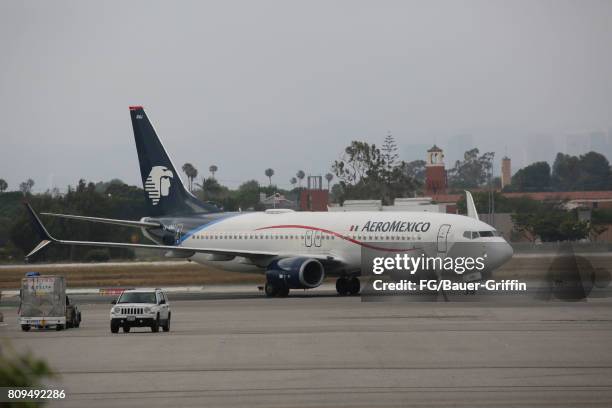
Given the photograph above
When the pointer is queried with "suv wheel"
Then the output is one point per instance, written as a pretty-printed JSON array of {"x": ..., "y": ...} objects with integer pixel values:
[
  {"x": 25, "y": 327},
  {"x": 155, "y": 325},
  {"x": 114, "y": 327},
  {"x": 166, "y": 327}
]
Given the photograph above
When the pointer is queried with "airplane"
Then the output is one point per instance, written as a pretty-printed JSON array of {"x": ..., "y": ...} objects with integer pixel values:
[{"x": 295, "y": 250}]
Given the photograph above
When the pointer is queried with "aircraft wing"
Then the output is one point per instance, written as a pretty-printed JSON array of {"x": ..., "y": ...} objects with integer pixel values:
[
  {"x": 124, "y": 223},
  {"x": 184, "y": 250}
]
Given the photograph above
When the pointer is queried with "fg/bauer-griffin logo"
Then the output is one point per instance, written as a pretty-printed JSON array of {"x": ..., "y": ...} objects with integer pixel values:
[{"x": 158, "y": 183}]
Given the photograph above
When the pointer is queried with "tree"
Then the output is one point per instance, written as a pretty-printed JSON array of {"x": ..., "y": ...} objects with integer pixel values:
[
  {"x": 389, "y": 155},
  {"x": 300, "y": 175},
  {"x": 26, "y": 186},
  {"x": 213, "y": 169},
  {"x": 360, "y": 160},
  {"x": 329, "y": 177},
  {"x": 191, "y": 172},
  {"x": 269, "y": 173},
  {"x": 551, "y": 225},
  {"x": 472, "y": 172},
  {"x": 3, "y": 185},
  {"x": 293, "y": 181},
  {"x": 247, "y": 194},
  {"x": 22, "y": 370},
  {"x": 590, "y": 171},
  {"x": 416, "y": 170},
  {"x": 595, "y": 172},
  {"x": 535, "y": 177},
  {"x": 363, "y": 174},
  {"x": 211, "y": 190}
]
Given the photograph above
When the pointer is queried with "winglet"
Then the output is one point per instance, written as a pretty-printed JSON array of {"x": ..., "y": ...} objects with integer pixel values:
[
  {"x": 45, "y": 237},
  {"x": 471, "y": 207}
]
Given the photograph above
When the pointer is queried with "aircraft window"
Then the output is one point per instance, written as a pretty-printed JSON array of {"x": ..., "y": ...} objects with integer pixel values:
[
  {"x": 467, "y": 234},
  {"x": 486, "y": 233}
]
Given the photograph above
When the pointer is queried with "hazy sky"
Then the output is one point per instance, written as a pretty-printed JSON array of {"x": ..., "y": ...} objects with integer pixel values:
[{"x": 256, "y": 84}]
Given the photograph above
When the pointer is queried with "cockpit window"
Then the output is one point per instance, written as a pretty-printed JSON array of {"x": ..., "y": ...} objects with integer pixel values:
[{"x": 481, "y": 234}]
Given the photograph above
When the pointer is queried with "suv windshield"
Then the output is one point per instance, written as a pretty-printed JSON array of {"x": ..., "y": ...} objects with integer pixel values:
[{"x": 137, "y": 297}]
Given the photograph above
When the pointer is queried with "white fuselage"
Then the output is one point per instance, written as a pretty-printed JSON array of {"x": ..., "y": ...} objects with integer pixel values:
[{"x": 341, "y": 235}]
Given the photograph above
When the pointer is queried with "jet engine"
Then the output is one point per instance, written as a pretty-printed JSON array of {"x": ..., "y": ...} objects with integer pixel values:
[{"x": 295, "y": 273}]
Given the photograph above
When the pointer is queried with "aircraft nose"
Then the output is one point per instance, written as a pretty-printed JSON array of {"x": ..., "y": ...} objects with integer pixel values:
[{"x": 498, "y": 254}]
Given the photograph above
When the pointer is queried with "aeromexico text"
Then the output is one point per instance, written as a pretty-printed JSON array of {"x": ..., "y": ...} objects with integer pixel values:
[{"x": 395, "y": 226}]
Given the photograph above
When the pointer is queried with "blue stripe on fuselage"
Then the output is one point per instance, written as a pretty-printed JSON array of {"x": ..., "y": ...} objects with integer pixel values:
[{"x": 188, "y": 234}]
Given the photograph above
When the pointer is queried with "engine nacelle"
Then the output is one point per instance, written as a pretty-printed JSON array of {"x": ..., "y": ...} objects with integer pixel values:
[{"x": 296, "y": 273}]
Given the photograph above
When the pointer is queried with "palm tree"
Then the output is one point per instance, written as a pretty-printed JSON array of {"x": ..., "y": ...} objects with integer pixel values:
[
  {"x": 269, "y": 173},
  {"x": 329, "y": 177},
  {"x": 293, "y": 181},
  {"x": 3, "y": 185},
  {"x": 191, "y": 173},
  {"x": 213, "y": 169},
  {"x": 300, "y": 175}
]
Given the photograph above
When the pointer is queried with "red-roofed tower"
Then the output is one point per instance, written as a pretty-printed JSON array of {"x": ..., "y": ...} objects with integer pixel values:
[{"x": 435, "y": 173}]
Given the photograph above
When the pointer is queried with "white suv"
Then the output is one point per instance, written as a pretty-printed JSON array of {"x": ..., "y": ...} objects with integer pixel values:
[{"x": 140, "y": 308}]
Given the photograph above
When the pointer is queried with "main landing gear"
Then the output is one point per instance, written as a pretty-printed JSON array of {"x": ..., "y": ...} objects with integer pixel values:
[
  {"x": 276, "y": 290},
  {"x": 348, "y": 285}
]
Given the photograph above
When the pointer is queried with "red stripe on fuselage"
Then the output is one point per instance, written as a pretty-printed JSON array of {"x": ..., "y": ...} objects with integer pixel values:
[{"x": 347, "y": 238}]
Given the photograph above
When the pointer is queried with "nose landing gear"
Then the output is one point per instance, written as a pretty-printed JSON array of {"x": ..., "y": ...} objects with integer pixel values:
[{"x": 348, "y": 285}]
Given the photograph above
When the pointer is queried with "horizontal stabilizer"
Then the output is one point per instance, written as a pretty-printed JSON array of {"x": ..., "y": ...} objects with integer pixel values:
[{"x": 124, "y": 223}]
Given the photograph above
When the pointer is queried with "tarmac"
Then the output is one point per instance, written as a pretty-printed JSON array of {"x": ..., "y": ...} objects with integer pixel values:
[{"x": 315, "y": 349}]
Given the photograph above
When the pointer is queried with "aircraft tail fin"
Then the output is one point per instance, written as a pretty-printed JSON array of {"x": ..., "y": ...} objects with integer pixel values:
[{"x": 165, "y": 192}]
